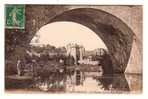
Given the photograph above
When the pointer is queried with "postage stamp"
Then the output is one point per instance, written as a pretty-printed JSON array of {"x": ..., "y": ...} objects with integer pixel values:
[{"x": 15, "y": 17}]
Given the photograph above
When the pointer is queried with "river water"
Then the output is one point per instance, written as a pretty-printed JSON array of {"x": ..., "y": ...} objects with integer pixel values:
[{"x": 82, "y": 82}]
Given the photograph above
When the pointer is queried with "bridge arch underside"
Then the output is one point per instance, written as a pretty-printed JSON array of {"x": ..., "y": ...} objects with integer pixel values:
[{"x": 117, "y": 36}]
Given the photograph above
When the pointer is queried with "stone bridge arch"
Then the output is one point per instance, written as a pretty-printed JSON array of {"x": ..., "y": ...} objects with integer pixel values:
[{"x": 117, "y": 36}]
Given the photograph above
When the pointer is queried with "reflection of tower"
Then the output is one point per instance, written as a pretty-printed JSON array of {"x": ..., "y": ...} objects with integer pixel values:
[
  {"x": 76, "y": 51},
  {"x": 79, "y": 77}
]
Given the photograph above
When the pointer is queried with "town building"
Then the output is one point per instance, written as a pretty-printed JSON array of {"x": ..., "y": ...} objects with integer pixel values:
[{"x": 75, "y": 50}]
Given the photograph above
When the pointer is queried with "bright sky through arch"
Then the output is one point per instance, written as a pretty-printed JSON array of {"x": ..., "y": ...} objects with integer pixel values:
[{"x": 62, "y": 33}]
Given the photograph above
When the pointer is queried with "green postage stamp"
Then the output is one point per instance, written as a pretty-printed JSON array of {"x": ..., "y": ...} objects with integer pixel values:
[{"x": 15, "y": 16}]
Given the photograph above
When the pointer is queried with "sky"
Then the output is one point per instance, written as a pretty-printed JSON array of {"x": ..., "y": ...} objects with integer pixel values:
[{"x": 62, "y": 33}]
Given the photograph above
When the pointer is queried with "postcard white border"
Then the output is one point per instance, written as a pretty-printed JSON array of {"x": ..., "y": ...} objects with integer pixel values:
[{"x": 3, "y": 95}]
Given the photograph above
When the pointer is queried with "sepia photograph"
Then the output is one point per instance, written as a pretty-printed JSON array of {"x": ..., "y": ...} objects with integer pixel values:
[{"x": 73, "y": 49}]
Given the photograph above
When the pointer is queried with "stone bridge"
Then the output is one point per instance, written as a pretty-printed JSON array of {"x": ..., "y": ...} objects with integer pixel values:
[{"x": 120, "y": 28}]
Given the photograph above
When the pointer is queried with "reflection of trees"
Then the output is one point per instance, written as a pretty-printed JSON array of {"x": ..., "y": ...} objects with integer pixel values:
[
  {"x": 47, "y": 66},
  {"x": 109, "y": 80},
  {"x": 115, "y": 83},
  {"x": 120, "y": 83}
]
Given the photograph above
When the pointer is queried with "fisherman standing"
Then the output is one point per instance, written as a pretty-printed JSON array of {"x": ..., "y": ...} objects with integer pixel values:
[{"x": 20, "y": 68}]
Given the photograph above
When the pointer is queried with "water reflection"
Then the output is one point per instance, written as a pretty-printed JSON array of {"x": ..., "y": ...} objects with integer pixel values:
[{"x": 75, "y": 80}]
